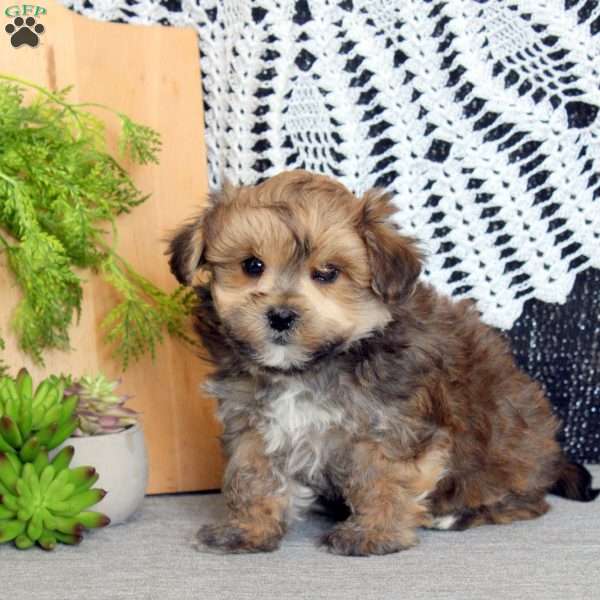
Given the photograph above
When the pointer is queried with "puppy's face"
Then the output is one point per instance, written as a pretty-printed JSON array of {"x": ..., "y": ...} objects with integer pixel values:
[{"x": 299, "y": 266}]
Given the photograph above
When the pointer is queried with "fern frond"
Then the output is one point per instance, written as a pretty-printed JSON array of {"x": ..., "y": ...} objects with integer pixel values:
[{"x": 140, "y": 142}]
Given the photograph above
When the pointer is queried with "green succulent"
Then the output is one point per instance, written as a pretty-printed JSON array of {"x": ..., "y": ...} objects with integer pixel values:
[
  {"x": 100, "y": 409},
  {"x": 31, "y": 422},
  {"x": 47, "y": 502}
]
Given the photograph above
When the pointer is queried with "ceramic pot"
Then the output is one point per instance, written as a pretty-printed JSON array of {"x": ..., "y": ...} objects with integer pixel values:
[{"x": 122, "y": 464}]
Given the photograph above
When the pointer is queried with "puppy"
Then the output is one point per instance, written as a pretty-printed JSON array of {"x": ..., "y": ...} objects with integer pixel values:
[{"x": 342, "y": 379}]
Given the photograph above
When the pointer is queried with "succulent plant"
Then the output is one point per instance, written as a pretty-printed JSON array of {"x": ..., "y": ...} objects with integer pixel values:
[
  {"x": 100, "y": 409},
  {"x": 47, "y": 502},
  {"x": 31, "y": 422}
]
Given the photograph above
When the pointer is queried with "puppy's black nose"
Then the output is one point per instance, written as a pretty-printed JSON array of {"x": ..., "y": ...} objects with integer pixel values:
[{"x": 281, "y": 319}]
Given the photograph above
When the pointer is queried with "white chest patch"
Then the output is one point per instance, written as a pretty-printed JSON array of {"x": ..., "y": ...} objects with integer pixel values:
[{"x": 294, "y": 424}]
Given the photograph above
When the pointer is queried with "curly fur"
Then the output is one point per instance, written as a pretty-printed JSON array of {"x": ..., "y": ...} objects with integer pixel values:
[{"x": 387, "y": 399}]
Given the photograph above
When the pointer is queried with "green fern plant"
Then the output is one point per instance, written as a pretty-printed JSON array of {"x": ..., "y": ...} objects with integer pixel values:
[{"x": 61, "y": 193}]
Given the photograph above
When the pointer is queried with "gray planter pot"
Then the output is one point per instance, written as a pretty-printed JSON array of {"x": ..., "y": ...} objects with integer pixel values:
[{"x": 121, "y": 460}]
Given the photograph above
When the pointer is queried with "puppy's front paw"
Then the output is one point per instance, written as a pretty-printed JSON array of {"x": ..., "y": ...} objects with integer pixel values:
[
  {"x": 225, "y": 537},
  {"x": 352, "y": 539}
]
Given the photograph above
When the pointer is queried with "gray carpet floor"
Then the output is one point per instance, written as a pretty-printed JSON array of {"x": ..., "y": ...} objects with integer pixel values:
[{"x": 152, "y": 557}]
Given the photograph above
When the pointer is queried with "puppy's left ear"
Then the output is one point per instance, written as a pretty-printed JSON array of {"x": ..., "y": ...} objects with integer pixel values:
[
  {"x": 395, "y": 259},
  {"x": 186, "y": 248}
]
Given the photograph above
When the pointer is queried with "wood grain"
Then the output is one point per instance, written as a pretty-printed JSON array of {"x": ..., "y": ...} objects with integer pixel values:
[{"x": 153, "y": 75}]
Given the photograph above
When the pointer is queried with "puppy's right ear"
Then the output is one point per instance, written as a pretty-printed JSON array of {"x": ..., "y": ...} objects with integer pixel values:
[{"x": 186, "y": 248}]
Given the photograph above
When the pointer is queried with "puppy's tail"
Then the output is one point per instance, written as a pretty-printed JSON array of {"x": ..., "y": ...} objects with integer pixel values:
[{"x": 575, "y": 483}]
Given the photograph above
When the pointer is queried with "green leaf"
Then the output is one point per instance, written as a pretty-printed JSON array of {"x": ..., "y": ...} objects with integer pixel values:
[
  {"x": 144, "y": 314},
  {"x": 52, "y": 293},
  {"x": 140, "y": 142}
]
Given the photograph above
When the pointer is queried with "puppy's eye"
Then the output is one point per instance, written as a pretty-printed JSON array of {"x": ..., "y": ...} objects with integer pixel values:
[
  {"x": 253, "y": 267},
  {"x": 328, "y": 274}
]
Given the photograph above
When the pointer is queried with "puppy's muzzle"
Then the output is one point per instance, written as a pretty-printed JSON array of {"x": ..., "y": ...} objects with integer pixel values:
[{"x": 281, "y": 319}]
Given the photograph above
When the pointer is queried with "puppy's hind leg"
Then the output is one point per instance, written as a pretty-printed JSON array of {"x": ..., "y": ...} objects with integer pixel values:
[
  {"x": 257, "y": 502},
  {"x": 512, "y": 508}
]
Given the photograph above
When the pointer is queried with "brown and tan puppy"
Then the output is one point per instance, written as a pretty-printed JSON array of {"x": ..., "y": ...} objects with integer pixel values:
[{"x": 342, "y": 379}]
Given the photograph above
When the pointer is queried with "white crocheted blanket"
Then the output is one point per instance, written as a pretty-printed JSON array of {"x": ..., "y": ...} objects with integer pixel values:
[{"x": 480, "y": 117}]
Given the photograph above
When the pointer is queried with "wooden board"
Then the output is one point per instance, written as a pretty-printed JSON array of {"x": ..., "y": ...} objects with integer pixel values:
[{"x": 153, "y": 75}]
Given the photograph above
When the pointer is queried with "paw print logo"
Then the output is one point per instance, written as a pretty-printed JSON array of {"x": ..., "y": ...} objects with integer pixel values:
[{"x": 24, "y": 31}]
